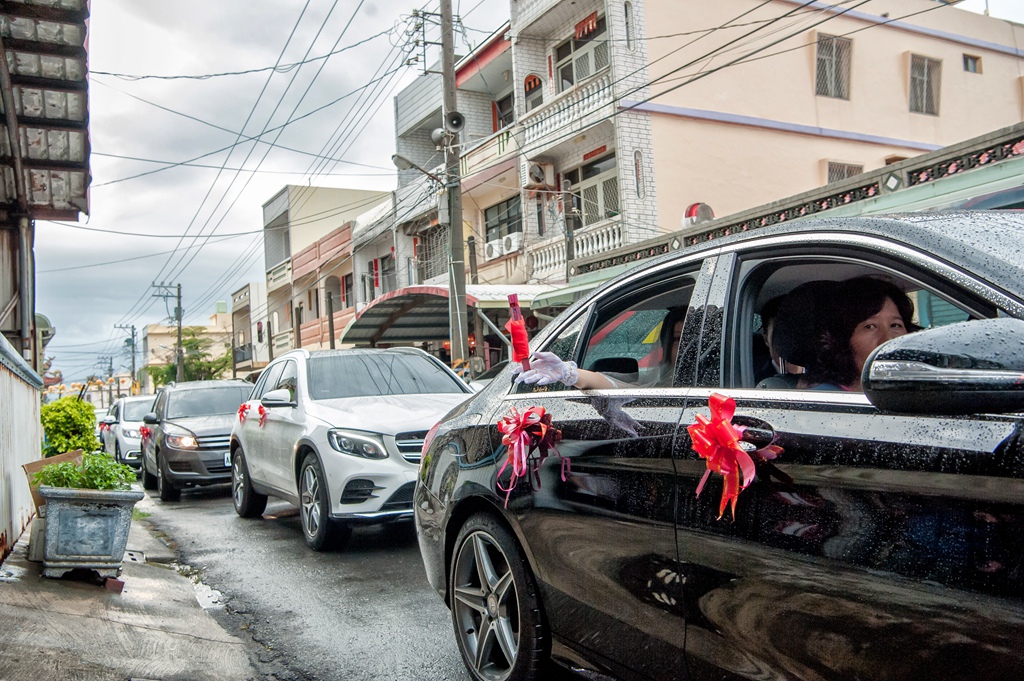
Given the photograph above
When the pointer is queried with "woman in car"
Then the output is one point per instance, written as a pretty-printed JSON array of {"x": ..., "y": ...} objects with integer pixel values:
[{"x": 864, "y": 313}]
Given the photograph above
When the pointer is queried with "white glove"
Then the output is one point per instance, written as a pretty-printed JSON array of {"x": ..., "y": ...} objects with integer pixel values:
[{"x": 546, "y": 368}]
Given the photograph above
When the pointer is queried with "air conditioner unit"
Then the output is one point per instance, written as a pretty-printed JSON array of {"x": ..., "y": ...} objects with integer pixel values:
[
  {"x": 541, "y": 175},
  {"x": 492, "y": 249},
  {"x": 511, "y": 243}
]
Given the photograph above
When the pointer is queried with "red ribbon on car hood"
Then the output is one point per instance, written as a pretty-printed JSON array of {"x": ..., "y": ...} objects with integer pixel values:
[{"x": 717, "y": 441}]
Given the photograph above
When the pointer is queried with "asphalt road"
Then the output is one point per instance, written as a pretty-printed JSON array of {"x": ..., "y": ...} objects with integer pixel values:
[{"x": 363, "y": 612}]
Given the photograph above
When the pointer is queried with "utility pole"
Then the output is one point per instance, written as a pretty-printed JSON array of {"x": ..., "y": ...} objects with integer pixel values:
[
  {"x": 125, "y": 327},
  {"x": 457, "y": 250},
  {"x": 181, "y": 350},
  {"x": 330, "y": 316},
  {"x": 168, "y": 291}
]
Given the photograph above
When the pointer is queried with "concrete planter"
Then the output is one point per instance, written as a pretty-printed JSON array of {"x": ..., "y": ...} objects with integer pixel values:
[{"x": 86, "y": 528}]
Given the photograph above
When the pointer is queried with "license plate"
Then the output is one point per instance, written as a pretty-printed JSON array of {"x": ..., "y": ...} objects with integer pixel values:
[{"x": 227, "y": 459}]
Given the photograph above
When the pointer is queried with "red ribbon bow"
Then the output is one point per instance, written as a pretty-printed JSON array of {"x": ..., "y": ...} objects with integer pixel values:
[
  {"x": 524, "y": 434},
  {"x": 144, "y": 433},
  {"x": 262, "y": 411},
  {"x": 717, "y": 441},
  {"x": 243, "y": 410}
]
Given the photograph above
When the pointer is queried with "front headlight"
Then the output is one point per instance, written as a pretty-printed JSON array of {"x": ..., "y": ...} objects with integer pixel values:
[
  {"x": 364, "y": 445},
  {"x": 128, "y": 432},
  {"x": 179, "y": 438}
]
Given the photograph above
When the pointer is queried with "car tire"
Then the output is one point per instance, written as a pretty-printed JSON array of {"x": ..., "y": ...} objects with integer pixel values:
[
  {"x": 117, "y": 452},
  {"x": 166, "y": 490},
  {"x": 320, "y": 532},
  {"x": 495, "y": 607},
  {"x": 248, "y": 502},
  {"x": 148, "y": 479}
]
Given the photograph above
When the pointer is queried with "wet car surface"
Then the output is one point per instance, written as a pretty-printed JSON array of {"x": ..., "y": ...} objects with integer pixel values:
[{"x": 878, "y": 544}]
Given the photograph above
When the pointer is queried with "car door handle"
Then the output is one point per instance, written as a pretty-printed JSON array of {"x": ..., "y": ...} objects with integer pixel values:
[{"x": 755, "y": 431}]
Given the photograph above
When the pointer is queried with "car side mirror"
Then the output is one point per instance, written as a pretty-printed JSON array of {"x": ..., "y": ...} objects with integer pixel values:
[
  {"x": 968, "y": 368},
  {"x": 108, "y": 421},
  {"x": 151, "y": 419},
  {"x": 281, "y": 397}
]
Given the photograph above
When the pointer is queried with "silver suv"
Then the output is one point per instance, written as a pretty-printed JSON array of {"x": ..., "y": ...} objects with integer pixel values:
[
  {"x": 339, "y": 433},
  {"x": 121, "y": 438}
]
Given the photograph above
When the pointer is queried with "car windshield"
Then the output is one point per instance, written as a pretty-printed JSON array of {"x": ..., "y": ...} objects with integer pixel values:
[
  {"x": 134, "y": 411},
  {"x": 206, "y": 401},
  {"x": 367, "y": 374}
]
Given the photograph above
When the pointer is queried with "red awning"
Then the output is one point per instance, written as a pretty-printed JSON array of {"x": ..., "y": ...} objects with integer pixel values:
[{"x": 531, "y": 82}]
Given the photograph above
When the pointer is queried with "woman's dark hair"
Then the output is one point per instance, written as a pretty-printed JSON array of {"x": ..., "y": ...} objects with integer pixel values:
[{"x": 854, "y": 301}]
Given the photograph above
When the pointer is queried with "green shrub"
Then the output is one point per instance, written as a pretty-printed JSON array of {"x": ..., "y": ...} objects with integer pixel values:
[
  {"x": 68, "y": 424},
  {"x": 98, "y": 471}
]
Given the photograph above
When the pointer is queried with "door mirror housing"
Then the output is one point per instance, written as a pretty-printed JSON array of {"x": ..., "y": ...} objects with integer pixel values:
[
  {"x": 281, "y": 397},
  {"x": 968, "y": 368},
  {"x": 150, "y": 419},
  {"x": 108, "y": 421}
]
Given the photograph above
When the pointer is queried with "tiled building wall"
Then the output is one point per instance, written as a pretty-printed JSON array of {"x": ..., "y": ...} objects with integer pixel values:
[{"x": 421, "y": 150}]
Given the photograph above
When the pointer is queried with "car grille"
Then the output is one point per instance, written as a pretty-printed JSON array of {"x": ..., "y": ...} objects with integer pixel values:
[
  {"x": 401, "y": 499},
  {"x": 410, "y": 445},
  {"x": 214, "y": 441},
  {"x": 217, "y": 469}
]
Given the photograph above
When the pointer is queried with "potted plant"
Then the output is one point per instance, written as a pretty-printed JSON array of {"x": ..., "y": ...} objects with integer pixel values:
[{"x": 88, "y": 514}]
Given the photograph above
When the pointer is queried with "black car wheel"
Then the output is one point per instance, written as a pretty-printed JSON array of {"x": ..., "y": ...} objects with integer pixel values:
[
  {"x": 248, "y": 502},
  {"x": 495, "y": 609},
  {"x": 320, "y": 531},
  {"x": 148, "y": 479},
  {"x": 166, "y": 489},
  {"x": 117, "y": 452}
]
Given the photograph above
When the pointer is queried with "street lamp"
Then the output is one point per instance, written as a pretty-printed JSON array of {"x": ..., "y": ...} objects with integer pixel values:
[{"x": 456, "y": 268}]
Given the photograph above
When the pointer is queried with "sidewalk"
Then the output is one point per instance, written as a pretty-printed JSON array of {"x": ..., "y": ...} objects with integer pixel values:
[{"x": 63, "y": 629}]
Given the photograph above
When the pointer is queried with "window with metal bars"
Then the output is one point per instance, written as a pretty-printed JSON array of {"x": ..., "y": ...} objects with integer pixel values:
[
  {"x": 579, "y": 58},
  {"x": 925, "y": 78},
  {"x": 433, "y": 252},
  {"x": 833, "y": 78},
  {"x": 595, "y": 191},
  {"x": 841, "y": 171},
  {"x": 630, "y": 37}
]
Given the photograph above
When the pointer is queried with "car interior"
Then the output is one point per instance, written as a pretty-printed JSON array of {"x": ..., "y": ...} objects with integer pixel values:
[{"x": 807, "y": 281}]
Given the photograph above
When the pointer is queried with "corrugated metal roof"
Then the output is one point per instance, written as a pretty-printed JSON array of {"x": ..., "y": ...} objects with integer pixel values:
[{"x": 44, "y": 55}]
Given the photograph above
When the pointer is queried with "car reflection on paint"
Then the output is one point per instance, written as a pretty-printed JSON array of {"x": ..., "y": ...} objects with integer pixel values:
[{"x": 884, "y": 542}]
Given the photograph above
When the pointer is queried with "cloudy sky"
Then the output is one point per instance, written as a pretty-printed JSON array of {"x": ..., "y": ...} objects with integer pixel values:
[{"x": 139, "y": 127}]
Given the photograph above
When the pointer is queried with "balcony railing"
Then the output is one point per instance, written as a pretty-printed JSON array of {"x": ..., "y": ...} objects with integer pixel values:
[
  {"x": 549, "y": 256},
  {"x": 568, "y": 108},
  {"x": 488, "y": 152},
  {"x": 280, "y": 276}
]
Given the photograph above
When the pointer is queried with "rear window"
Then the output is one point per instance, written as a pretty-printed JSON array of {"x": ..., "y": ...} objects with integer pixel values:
[
  {"x": 206, "y": 401},
  {"x": 134, "y": 411},
  {"x": 373, "y": 374}
]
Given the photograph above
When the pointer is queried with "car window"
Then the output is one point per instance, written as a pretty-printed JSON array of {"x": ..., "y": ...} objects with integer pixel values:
[
  {"x": 136, "y": 409},
  {"x": 289, "y": 379},
  {"x": 268, "y": 380},
  {"x": 564, "y": 347},
  {"x": 206, "y": 401},
  {"x": 766, "y": 318},
  {"x": 635, "y": 339},
  {"x": 160, "y": 404},
  {"x": 113, "y": 411},
  {"x": 366, "y": 374}
]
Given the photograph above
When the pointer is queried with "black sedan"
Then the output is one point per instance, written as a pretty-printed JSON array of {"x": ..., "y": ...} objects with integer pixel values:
[{"x": 882, "y": 536}]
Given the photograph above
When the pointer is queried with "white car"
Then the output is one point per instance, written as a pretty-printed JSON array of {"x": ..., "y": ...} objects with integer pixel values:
[
  {"x": 338, "y": 433},
  {"x": 120, "y": 438}
]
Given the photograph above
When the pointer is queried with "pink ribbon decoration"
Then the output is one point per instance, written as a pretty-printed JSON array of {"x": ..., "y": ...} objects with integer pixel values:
[
  {"x": 717, "y": 440},
  {"x": 524, "y": 434},
  {"x": 242, "y": 412},
  {"x": 261, "y": 410},
  {"x": 144, "y": 433}
]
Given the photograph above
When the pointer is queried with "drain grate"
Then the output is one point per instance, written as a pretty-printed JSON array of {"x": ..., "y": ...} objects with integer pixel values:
[{"x": 135, "y": 556}]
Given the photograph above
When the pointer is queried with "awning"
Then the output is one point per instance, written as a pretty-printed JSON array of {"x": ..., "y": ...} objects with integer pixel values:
[
  {"x": 587, "y": 26},
  {"x": 564, "y": 297},
  {"x": 420, "y": 313}
]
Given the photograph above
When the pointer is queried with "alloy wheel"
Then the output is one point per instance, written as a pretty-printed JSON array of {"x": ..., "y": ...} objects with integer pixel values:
[
  {"x": 486, "y": 607},
  {"x": 238, "y": 481},
  {"x": 312, "y": 513}
]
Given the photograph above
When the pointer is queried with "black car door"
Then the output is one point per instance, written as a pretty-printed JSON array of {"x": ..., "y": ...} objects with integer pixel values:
[
  {"x": 602, "y": 538},
  {"x": 875, "y": 546}
]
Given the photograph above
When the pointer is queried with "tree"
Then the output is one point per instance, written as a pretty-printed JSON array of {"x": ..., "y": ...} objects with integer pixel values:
[{"x": 198, "y": 362}]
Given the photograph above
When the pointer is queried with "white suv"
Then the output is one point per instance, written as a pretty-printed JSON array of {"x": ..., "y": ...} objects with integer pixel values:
[{"x": 338, "y": 433}]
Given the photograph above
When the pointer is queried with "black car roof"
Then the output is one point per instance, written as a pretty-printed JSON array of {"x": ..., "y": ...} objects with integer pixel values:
[{"x": 989, "y": 244}]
